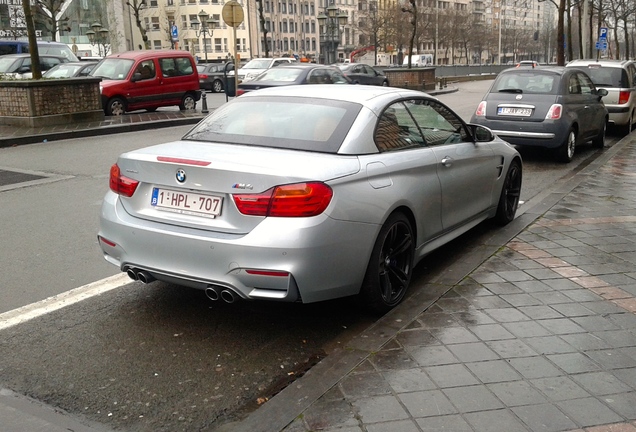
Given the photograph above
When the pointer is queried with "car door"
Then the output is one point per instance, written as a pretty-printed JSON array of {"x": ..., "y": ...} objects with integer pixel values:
[
  {"x": 372, "y": 75},
  {"x": 575, "y": 104},
  {"x": 594, "y": 109},
  {"x": 143, "y": 85},
  {"x": 404, "y": 163},
  {"x": 466, "y": 169}
]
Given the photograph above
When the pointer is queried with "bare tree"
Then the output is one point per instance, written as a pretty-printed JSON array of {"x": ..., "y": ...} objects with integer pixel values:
[
  {"x": 48, "y": 12},
  {"x": 412, "y": 10},
  {"x": 136, "y": 6},
  {"x": 261, "y": 20},
  {"x": 33, "y": 44}
]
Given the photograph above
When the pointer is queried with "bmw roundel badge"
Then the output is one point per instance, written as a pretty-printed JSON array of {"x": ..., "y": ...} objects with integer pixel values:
[{"x": 181, "y": 176}]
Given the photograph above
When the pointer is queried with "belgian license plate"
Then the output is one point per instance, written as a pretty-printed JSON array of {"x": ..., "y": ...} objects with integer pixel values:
[
  {"x": 510, "y": 111},
  {"x": 189, "y": 203}
]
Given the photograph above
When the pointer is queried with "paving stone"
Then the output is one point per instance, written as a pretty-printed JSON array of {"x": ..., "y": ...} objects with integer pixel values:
[
  {"x": 552, "y": 298},
  {"x": 427, "y": 403},
  {"x": 380, "y": 409},
  {"x": 470, "y": 352},
  {"x": 503, "y": 288},
  {"x": 472, "y": 318},
  {"x": 559, "y": 388},
  {"x": 450, "y": 423},
  {"x": 589, "y": 412},
  {"x": 394, "y": 426},
  {"x": 550, "y": 345},
  {"x": 517, "y": 393},
  {"x": 573, "y": 363},
  {"x": 434, "y": 320},
  {"x": 534, "y": 367},
  {"x": 454, "y": 335},
  {"x": 489, "y": 332},
  {"x": 533, "y": 286},
  {"x": 627, "y": 376},
  {"x": 595, "y": 323},
  {"x": 622, "y": 403},
  {"x": 526, "y": 329},
  {"x": 611, "y": 359},
  {"x": 601, "y": 383},
  {"x": 540, "y": 312},
  {"x": 473, "y": 398},
  {"x": 503, "y": 420},
  {"x": 585, "y": 341},
  {"x": 493, "y": 371},
  {"x": 432, "y": 356},
  {"x": 544, "y": 418},
  {"x": 506, "y": 315},
  {"x": 489, "y": 302},
  {"x": 511, "y": 348},
  {"x": 561, "y": 326},
  {"x": 572, "y": 310},
  {"x": 417, "y": 337},
  {"x": 330, "y": 414},
  {"x": 454, "y": 375},
  {"x": 408, "y": 380},
  {"x": 364, "y": 385},
  {"x": 521, "y": 300}
]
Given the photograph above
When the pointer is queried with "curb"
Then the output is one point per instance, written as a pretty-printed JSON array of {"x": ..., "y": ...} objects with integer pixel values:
[{"x": 103, "y": 130}]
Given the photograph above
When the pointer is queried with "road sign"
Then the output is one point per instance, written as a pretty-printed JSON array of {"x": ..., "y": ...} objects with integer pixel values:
[
  {"x": 232, "y": 13},
  {"x": 174, "y": 31},
  {"x": 601, "y": 46},
  {"x": 602, "y": 34}
]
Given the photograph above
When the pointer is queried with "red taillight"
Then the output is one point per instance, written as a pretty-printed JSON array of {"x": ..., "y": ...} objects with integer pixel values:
[
  {"x": 120, "y": 184},
  {"x": 203, "y": 76},
  {"x": 294, "y": 200},
  {"x": 481, "y": 109},
  {"x": 554, "y": 113},
  {"x": 240, "y": 92},
  {"x": 623, "y": 97}
]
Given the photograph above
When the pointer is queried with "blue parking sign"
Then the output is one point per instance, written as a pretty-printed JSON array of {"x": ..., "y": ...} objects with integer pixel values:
[
  {"x": 602, "y": 34},
  {"x": 175, "y": 32}
]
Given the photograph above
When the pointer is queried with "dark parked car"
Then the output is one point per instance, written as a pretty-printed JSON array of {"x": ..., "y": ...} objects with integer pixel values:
[
  {"x": 19, "y": 65},
  {"x": 361, "y": 73},
  {"x": 212, "y": 76},
  {"x": 70, "y": 70},
  {"x": 294, "y": 74},
  {"x": 553, "y": 107}
]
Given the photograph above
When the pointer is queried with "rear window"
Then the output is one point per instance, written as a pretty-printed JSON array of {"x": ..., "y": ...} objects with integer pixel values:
[
  {"x": 281, "y": 122},
  {"x": 179, "y": 66},
  {"x": 532, "y": 82},
  {"x": 606, "y": 76}
]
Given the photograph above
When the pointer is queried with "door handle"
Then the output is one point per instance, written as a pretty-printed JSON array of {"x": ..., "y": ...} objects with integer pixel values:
[{"x": 447, "y": 161}]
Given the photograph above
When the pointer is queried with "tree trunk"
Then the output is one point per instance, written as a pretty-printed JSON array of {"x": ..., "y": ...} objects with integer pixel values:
[
  {"x": 261, "y": 18},
  {"x": 561, "y": 34},
  {"x": 36, "y": 71}
]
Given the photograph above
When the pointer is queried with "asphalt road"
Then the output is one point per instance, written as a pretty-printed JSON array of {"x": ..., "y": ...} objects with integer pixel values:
[{"x": 160, "y": 357}]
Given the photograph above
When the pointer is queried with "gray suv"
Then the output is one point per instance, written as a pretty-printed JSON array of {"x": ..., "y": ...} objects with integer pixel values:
[{"x": 618, "y": 77}]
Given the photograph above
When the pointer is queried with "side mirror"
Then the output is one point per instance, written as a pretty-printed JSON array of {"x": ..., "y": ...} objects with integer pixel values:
[
  {"x": 601, "y": 92},
  {"x": 136, "y": 77},
  {"x": 481, "y": 133},
  {"x": 24, "y": 69}
]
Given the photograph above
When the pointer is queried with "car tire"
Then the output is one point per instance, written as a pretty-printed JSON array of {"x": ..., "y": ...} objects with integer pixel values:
[
  {"x": 565, "y": 152},
  {"x": 115, "y": 107},
  {"x": 599, "y": 141},
  {"x": 151, "y": 109},
  {"x": 391, "y": 265},
  {"x": 385, "y": 83},
  {"x": 217, "y": 86},
  {"x": 188, "y": 102},
  {"x": 510, "y": 193},
  {"x": 627, "y": 129}
]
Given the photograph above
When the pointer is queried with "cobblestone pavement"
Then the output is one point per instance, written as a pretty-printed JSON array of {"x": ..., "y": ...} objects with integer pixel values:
[{"x": 540, "y": 337}]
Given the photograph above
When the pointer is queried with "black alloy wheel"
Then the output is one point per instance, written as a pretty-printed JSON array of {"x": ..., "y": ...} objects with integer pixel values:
[
  {"x": 510, "y": 193},
  {"x": 391, "y": 265}
]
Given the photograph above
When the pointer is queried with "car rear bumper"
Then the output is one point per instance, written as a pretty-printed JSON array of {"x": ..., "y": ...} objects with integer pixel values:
[
  {"x": 618, "y": 115},
  {"x": 535, "y": 134},
  {"x": 285, "y": 259}
]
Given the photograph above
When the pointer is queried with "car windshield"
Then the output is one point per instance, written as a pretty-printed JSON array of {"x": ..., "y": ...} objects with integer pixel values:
[
  {"x": 280, "y": 74},
  {"x": 62, "y": 71},
  {"x": 8, "y": 64},
  {"x": 284, "y": 122},
  {"x": 113, "y": 68},
  {"x": 58, "y": 51},
  {"x": 257, "y": 64},
  {"x": 532, "y": 82},
  {"x": 606, "y": 76}
]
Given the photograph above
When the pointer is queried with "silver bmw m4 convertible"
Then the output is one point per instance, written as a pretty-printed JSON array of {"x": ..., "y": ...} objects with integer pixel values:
[{"x": 307, "y": 193}]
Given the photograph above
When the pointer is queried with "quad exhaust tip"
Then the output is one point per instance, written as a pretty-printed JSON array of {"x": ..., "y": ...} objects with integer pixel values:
[
  {"x": 215, "y": 292},
  {"x": 139, "y": 275}
]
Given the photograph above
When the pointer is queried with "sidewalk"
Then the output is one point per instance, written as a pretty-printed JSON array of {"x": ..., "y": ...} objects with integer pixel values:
[{"x": 538, "y": 335}]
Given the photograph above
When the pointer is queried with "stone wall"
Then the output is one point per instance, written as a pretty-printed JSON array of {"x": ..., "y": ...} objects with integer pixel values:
[
  {"x": 46, "y": 102},
  {"x": 414, "y": 78}
]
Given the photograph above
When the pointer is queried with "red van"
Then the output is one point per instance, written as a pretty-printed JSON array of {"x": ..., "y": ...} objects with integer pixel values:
[{"x": 148, "y": 80}]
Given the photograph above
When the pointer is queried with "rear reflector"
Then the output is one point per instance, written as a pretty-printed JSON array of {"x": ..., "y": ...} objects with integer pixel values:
[
  {"x": 182, "y": 161},
  {"x": 106, "y": 241},
  {"x": 294, "y": 200},
  {"x": 267, "y": 273},
  {"x": 120, "y": 184}
]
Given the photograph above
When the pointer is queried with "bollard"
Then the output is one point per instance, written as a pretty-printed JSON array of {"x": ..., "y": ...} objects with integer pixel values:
[
  {"x": 444, "y": 82},
  {"x": 204, "y": 103},
  {"x": 423, "y": 84},
  {"x": 441, "y": 86}
]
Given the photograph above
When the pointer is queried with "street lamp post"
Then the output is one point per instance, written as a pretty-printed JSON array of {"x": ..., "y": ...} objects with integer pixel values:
[
  {"x": 330, "y": 33},
  {"x": 204, "y": 27},
  {"x": 99, "y": 36}
]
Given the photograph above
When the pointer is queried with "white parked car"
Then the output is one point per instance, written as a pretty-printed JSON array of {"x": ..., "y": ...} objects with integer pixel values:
[{"x": 255, "y": 67}]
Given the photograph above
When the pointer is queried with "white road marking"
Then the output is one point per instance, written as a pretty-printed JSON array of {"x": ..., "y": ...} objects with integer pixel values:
[{"x": 34, "y": 310}]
